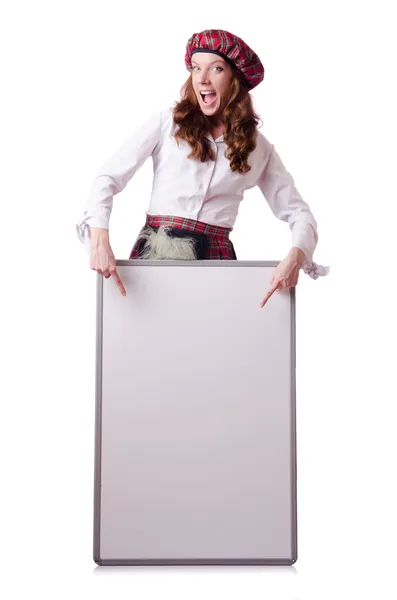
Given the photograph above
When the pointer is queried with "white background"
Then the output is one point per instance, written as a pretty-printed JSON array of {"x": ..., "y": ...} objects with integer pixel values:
[{"x": 77, "y": 79}]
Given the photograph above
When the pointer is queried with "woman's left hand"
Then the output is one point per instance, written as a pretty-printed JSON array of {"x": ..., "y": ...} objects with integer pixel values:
[{"x": 286, "y": 274}]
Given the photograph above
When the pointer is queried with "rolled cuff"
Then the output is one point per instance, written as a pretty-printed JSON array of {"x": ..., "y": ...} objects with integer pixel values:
[
  {"x": 314, "y": 270},
  {"x": 305, "y": 237},
  {"x": 83, "y": 230}
]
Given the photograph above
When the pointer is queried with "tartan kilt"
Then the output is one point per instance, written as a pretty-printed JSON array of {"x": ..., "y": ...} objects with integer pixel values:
[{"x": 213, "y": 242}]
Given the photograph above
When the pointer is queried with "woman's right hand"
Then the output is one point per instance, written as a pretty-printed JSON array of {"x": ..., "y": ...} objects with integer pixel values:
[{"x": 102, "y": 259}]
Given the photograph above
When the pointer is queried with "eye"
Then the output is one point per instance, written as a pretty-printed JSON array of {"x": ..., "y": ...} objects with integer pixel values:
[{"x": 194, "y": 69}]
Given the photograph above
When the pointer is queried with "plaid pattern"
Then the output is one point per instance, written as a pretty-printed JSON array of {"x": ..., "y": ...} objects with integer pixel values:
[
  {"x": 219, "y": 247},
  {"x": 232, "y": 48}
]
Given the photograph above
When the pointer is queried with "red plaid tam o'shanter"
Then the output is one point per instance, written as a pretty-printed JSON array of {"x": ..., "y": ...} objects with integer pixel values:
[
  {"x": 211, "y": 242},
  {"x": 230, "y": 47}
]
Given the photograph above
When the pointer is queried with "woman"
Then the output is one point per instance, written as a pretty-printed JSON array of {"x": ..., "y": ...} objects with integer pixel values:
[{"x": 206, "y": 152}]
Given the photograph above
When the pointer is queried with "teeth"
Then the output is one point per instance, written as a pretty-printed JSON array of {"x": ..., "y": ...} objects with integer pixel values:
[{"x": 207, "y": 93}]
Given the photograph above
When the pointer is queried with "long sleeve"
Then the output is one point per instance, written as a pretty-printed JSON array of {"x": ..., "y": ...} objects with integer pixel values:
[
  {"x": 114, "y": 175},
  {"x": 278, "y": 188}
]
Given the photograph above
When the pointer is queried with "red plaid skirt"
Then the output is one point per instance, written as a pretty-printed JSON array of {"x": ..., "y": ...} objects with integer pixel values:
[{"x": 219, "y": 246}]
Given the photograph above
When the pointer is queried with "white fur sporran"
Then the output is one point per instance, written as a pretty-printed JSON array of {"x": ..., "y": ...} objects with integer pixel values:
[{"x": 160, "y": 246}]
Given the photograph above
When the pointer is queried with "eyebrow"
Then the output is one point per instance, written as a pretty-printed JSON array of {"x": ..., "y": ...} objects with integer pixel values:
[{"x": 211, "y": 63}]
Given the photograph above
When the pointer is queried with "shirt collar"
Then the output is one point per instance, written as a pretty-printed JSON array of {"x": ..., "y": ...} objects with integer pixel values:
[{"x": 218, "y": 139}]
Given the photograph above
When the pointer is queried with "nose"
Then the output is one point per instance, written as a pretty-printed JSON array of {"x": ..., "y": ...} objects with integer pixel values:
[{"x": 204, "y": 76}]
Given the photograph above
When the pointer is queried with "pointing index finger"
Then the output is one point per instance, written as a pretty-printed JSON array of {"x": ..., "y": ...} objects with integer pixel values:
[
  {"x": 119, "y": 282},
  {"x": 271, "y": 291}
]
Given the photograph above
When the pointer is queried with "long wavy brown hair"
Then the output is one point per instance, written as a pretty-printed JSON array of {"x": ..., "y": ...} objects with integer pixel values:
[{"x": 239, "y": 118}]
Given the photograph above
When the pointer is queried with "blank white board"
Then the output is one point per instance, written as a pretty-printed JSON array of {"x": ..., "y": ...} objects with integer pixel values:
[{"x": 195, "y": 440}]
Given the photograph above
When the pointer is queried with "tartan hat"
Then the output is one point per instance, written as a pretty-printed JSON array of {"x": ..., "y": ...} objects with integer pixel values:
[{"x": 232, "y": 49}]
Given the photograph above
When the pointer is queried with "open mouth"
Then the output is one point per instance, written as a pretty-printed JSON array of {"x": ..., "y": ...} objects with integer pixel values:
[{"x": 208, "y": 97}]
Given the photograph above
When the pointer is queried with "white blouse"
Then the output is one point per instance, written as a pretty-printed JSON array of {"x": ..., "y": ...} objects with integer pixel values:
[{"x": 203, "y": 191}]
